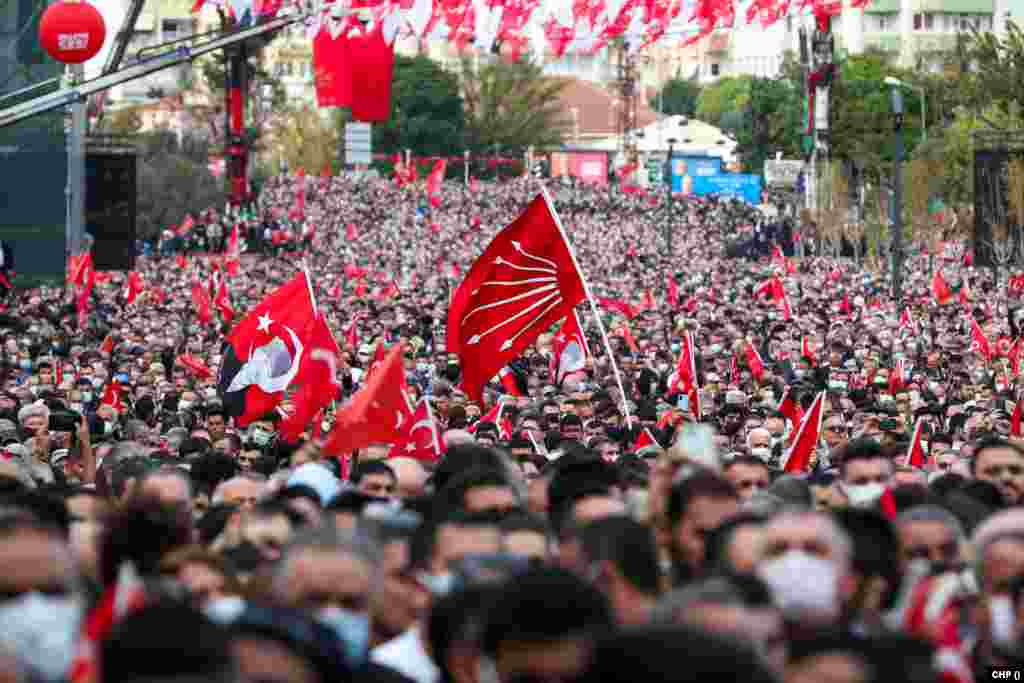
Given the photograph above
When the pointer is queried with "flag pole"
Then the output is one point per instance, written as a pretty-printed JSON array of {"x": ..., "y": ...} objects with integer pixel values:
[{"x": 593, "y": 304}]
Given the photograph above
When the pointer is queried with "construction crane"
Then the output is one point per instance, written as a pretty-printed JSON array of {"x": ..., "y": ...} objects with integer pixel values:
[
  {"x": 628, "y": 104},
  {"x": 149, "y": 61}
]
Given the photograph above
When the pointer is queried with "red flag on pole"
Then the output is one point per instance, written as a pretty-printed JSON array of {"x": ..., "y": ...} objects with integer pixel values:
[
  {"x": 569, "y": 349},
  {"x": 979, "y": 342},
  {"x": 317, "y": 380},
  {"x": 673, "y": 293},
  {"x": 264, "y": 351},
  {"x": 377, "y": 412},
  {"x": 223, "y": 302},
  {"x": 135, "y": 286},
  {"x": 523, "y": 283},
  {"x": 791, "y": 408},
  {"x": 644, "y": 440},
  {"x": 915, "y": 452},
  {"x": 195, "y": 366},
  {"x": 798, "y": 457},
  {"x": 422, "y": 440},
  {"x": 940, "y": 290},
  {"x": 1015, "y": 420},
  {"x": 232, "y": 257},
  {"x": 754, "y": 362},
  {"x": 201, "y": 301}
]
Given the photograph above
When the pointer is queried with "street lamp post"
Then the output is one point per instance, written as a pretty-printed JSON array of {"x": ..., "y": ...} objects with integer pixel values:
[
  {"x": 896, "y": 98},
  {"x": 897, "y": 83},
  {"x": 668, "y": 190}
]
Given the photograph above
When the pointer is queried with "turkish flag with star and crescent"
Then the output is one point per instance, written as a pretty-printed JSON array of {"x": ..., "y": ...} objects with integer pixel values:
[
  {"x": 525, "y": 282},
  {"x": 378, "y": 411},
  {"x": 421, "y": 440},
  {"x": 263, "y": 353}
]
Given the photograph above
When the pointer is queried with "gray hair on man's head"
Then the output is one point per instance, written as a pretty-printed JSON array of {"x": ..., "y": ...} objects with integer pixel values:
[
  {"x": 328, "y": 538},
  {"x": 123, "y": 450},
  {"x": 672, "y": 608},
  {"x": 1005, "y": 525},
  {"x": 936, "y": 514}
]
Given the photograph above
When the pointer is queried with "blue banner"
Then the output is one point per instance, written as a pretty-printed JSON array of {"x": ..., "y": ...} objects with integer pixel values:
[
  {"x": 741, "y": 185},
  {"x": 685, "y": 169}
]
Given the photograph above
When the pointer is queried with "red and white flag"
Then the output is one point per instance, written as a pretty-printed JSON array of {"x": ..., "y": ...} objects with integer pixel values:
[
  {"x": 378, "y": 412},
  {"x": 979, "y": 342},
  {"x": 807, "y": 351},
  {"x": 898, "y": 376},
  {"x": 524, "y": 282},
  {"x": 686, "y": 367},
  {"x": 644, "y": 440},
  {"x": 134, "y": 287},
  {"x": 798, "y": 457},
  {"x": 317, "y": 379},
  {"x": 435, "y": 178},
  {"x": 754, "y": 362},
  {"x": 791, "y": 408},
  {"x": 201, "y": 302},
  {"x": 673, "y": 293},
  {"x": 508, "y": 380},
  {"x": 422, "y": 440},
  {"x": 264, "y": 351},
  {"x": 907, "y": 322},
  {"x": 496, "y": 417},
  {"x": 570, "y": 350}
]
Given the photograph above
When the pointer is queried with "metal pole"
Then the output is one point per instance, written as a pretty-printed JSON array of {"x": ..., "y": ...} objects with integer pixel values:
[
  {"x": 897, "y": 214},
  {"x": 924, "y": 119},
  {"x": 75, "y": 229},
  {"x": 668, "y": 189},
  {"x": 465, "y": 167}
]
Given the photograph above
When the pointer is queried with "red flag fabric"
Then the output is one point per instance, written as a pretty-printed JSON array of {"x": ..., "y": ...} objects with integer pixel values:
[
  {"x": 263, "y": 353},
  {"x": 317, "y": 380},
  {"x": 1015, "y": 420},
  {"x": 496, "y": 417},
  {"x": 436, "y": 177},
  {"x": 754, "y": 362},
  {"x": 351, "y": 232},
  {"x": 195, "y": 366},
  {"x": 373, "y": 61},
  {"x": 643, "y": 440},
  {"x": 627, "y": 336},
  {"x": 112, "y": 396},
  {"x": 422, "y": 440},
  {"x": 686, "y": 367},
  {"x": 673, "y": 293},
  {"x": 1014, "y": 356},
  {"x": 915, "y": 452},
  {"x": 134, "y": 287},
  {"x": 125, "y": 597},
  {"x": 791, "y": 408},
  {"x": 940, "y": 290},
  {"x": 474, "y": 186},
  {"x": 979, "y": 342},
  {"x": 377, "y": 412},
  {"x": 107, "y": 346},
  {"x": 569, "y": 349},
  {"x": 807, "y": 351},
  {"x": 625, "y": 308},
  {"x": 201, "y": 302},
  {"x": 508, "y": 380},
  {"x": 964, "y": 296},
  {"x": 523, "y": 283},
  {"x": 223, "y": 302},
  {"x": 332, "y": 64},
  {"x": 232, "y": 256},
  {"x": 844, "y": 307},
  {"x": 906, "y": 321},
  {"x": 181, "y": 261},
  {"x": 798, "y": 457}
]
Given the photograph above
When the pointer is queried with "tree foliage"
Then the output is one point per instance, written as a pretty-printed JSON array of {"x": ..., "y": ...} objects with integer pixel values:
[
  {"x": 307, "y": 138},
  {"x": 173, "y": 180},
  {"x": 677, "y": 97},
  {"x": 995, "y": 82},
  {"x": 426, "y": 111},
  {"x": 512, "y": 106},
  {"x": 764, "y": 114}
]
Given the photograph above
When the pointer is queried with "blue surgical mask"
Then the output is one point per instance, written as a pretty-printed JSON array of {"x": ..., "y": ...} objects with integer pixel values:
[{"x": 352, "y": 629}]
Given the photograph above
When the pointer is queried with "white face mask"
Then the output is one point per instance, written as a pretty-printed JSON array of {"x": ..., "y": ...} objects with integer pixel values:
[
  {"x": 42, "y": 629},
  {"x": 1004, "y": 621},
  {"x": 864, "y": 495},
  {"x": 439, "y": 585},
  {"x": 816, "y": 592}
]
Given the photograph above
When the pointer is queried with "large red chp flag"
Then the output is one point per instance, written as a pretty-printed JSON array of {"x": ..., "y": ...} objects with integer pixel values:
[{"x": 524, "y": 283}]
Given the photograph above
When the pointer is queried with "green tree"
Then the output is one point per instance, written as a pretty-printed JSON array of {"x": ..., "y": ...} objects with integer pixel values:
[
  {"x": 511, "y": 106},
  {"x": 995, "y": 83},
  {"x": 765, "y": 115},
  {"x": 677, "y": 97},
  {"x": 426, "y": 111},
  {"x": 173, "y": 181}
]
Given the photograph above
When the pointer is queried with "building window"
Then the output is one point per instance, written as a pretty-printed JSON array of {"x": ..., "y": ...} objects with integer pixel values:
[
  {"x": 929, "y": 22},
  {"x": 715, "y": 69}
]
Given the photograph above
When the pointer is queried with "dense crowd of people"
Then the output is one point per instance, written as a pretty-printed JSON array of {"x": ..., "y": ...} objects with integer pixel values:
[{"x": 145, "y": 537}]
